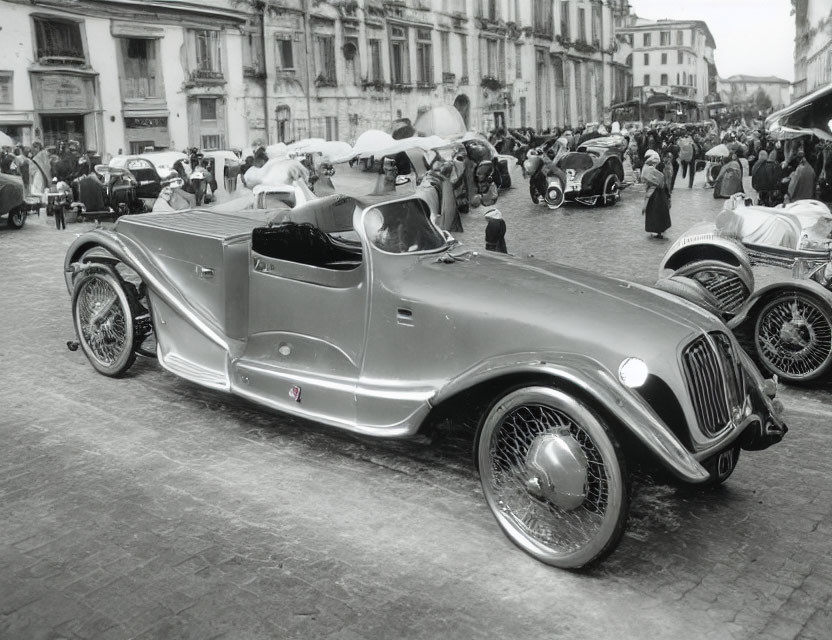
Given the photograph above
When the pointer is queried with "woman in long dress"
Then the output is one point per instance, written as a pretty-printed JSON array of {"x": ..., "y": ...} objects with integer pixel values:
[{"x": 656, "y": 208}]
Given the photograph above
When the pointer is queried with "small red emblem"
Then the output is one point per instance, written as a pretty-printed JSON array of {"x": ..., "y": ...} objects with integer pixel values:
[{"x": 294, "y": 393}]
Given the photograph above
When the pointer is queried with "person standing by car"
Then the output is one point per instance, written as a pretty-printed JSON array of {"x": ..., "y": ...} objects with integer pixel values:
[
  {"x": 802, "y": 182},
  {"x": 495, "y": 232},
  {"x": 656, "y": 208}
]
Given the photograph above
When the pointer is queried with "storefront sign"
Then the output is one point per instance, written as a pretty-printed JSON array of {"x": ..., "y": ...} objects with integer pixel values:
[
  {"x": 144, "y": 123},
  {"x": 63, "y": 92}
]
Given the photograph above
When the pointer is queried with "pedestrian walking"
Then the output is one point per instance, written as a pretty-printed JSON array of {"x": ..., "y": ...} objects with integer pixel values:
[
  {"x": 656, "y": 208},
  {"x": 687, "y": 158}
]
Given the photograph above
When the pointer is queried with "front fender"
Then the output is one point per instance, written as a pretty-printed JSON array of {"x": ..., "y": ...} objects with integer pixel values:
[
  {"x": 596, "y": 382},
  {"x": 758, "y": 297},
  {"x": 135, "y": 257},
  {"x": 701, "y": 242}
]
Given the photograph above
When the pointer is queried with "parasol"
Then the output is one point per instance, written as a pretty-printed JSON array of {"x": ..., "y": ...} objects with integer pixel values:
[
  {"x": 441, "y": 121},
  {"x": 327, "y": 148},
  {"x": 368, "y": 143},
  {"x": 719, "y": 151},
  {"x": 6, "y": 141}
]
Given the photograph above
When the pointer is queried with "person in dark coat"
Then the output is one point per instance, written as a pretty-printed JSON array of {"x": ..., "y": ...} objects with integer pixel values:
[
  {"x": 656, "y": 208},
  {"x": 729, "y": 180},
  {"x": 495, "y": 232},
  {"x": 802, "y": 183},
  {"x": 766, "y": 178}
]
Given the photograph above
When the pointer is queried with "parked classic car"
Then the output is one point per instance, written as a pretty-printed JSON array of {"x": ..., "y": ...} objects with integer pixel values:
[
  {"x": 787, "y": 324},
  {"x": 12, "y": 201},
  {"x": 369, "y": 318},
  {"x": 592, "y": 175},
  {"x": 151, "y": 169}
]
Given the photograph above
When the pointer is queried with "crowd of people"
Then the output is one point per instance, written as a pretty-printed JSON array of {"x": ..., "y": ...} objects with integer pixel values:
[{"x": 782, "y": 170}]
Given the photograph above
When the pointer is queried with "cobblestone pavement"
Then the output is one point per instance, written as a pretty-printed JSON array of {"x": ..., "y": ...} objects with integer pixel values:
[{"x": 149, "y": 508}]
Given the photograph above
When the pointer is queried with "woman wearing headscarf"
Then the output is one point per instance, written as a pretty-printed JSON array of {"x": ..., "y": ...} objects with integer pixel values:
[{"x": 656, "y": 208}]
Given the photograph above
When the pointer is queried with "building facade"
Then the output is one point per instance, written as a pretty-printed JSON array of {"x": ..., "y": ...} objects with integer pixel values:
[
  {"x": 673, "y": 67},
  {"x": 812, "y": 45},
  {"x": 745, "y": 93},
  {"x": 122, "y": 76}
]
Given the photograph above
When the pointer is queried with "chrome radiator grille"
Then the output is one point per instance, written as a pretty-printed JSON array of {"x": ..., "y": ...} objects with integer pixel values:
[
  {"x": 728, "y": 288},
  {"x": 715, "y": 381}
]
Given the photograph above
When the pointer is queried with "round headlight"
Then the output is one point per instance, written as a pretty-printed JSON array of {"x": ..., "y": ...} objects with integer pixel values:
[{"x": 632, "y": 372}]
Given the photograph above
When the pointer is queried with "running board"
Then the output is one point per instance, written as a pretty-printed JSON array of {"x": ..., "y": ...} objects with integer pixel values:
[{"x": 194, "y": 372}]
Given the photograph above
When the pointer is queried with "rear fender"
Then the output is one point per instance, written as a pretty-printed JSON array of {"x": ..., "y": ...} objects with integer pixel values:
[
  {"x": 135, "y": 257},
  {"x": 600, "y": 386}
]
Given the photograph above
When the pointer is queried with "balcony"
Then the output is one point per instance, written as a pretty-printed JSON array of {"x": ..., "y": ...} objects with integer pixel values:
[{"x": 207, "y": 74}]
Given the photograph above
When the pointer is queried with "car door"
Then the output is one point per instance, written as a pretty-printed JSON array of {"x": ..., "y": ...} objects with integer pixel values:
[{"x": 306, "y": 330}]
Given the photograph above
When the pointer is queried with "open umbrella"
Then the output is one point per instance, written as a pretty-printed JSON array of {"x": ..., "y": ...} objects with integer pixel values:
[
  {"x": 441, "y": 121},
  {"x": 719, "y": 151},
  {"x": 368, "y": 143},
  {"x": 6, "y": 141}
]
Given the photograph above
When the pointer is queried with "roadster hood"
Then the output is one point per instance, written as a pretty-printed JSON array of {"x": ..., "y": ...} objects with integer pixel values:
[{"x": 538, "y": 305}]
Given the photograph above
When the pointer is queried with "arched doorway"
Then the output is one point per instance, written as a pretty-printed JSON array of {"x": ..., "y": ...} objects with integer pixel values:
[{"x": 463, "y": 105}]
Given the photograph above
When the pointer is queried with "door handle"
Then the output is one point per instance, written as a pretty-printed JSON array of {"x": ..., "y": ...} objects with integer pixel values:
[
  {"x": 404, "y": 317},
  {"x": 206, "y": 273}
]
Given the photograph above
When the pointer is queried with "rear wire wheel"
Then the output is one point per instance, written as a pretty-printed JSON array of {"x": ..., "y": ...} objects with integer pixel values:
[
  {"x": 554, "y": 476},
  {"x": 103, "y": 320},
  {"x": 609, "y": 192}
]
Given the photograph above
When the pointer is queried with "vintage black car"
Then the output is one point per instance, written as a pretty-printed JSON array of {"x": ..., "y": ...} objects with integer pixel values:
[{"x": 592, "y": 175}]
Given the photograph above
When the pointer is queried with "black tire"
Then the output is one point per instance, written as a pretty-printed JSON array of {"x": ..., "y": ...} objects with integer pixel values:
[
  {"x": 609, "y": 190},
  {"x": 103, "y": 320},
  {"x": 553, "y": 475},
  {"x": 793, "y": 336},
  {"x": 17, "y": 218}
]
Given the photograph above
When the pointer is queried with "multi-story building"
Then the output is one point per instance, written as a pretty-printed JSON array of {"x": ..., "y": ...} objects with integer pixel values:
[
  {"x": 121, "y": 76},
  {"x": 744, "y": 93},
  {"x": 673, "y": 67},
  {"x": 812, "y": 46}
]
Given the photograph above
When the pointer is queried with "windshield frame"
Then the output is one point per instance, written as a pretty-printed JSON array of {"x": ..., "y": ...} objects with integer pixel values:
[{"x": 446, "y": 243}]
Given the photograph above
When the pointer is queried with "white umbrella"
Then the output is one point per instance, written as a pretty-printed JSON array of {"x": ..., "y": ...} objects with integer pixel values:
[
  {"x": 327, "y": 148},
  {"x": 719, "y": 151},
  {"x": 369, "y": 142},
  {"x": 441, "y": 121},
  {"x": 6, "y": 141}
]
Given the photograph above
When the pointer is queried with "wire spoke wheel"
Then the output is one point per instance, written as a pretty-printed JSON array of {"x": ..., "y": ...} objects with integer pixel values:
[
  {"x": 104, "y": 323},
  {"x": 553, "y": 476},
  {"x": 793, "y": 337}
]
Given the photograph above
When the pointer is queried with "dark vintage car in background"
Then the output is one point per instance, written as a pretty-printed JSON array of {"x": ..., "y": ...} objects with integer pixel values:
[
  {"x": 591, "y": 175},
  {"x": 367, "y": 317},
  {"x": 786, "y": 324},
  {"x": 13, "y": 205}
]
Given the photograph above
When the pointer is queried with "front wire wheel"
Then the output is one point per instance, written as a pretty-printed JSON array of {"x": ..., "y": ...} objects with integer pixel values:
[
  {"x": 554, "y": 476},
  {"x": 793, "y": 337},
  {"x": 103, "y": 322}
]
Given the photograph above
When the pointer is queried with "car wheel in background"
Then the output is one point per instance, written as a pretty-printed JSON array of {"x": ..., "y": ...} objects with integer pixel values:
[
  {"x": 17, "y": 218},
  {"x": 793, "y": 336}
]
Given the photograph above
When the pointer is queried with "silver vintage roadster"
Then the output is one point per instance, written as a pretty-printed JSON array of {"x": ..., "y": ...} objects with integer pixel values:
[{"x": 367, "y": 317}]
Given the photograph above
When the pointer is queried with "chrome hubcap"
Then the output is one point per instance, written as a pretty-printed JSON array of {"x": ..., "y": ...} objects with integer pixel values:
[
  {"x": 795, "y": 337},
  {"x": 557, "y": 470}
]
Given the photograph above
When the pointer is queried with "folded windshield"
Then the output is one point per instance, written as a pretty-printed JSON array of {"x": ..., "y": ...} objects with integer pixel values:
[{"x": 402, "y": 227}]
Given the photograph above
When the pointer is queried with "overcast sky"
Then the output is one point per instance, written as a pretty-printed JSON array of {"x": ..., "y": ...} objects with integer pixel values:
[{"x": 753, "y": 37}]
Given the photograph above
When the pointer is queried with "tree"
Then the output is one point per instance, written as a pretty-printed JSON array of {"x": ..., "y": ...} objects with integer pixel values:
[{"x": 760, "y": 100}]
